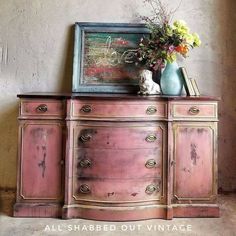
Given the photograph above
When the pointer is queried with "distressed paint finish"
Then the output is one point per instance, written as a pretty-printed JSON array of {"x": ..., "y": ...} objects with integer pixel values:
[
  {"x": 107, "y": 58},
  {"x": 200, "y": 210},
  {"x": 41, "y": 156},
  {"x": 118, "y": 190},
  {"x": 42, "y": 108},
  {"x": 115, "y": 213},
  {"x": 103, "y": 179},
  {"x": 103, "y": 54},
  {"x": 37, "y": 210},
  {"x": 118, "y": 137},
  {"x": 194, "y": 156},
  {"x": 35, "y": 52},
  {"x": 106, "y": 177},
  {"x": 119, "y": 109},
  {"x": 194, "y": 111},
  {"x": 123, "y": 163}
]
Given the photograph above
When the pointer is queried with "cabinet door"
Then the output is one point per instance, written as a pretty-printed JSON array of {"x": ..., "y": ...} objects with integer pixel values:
[
  {"x": 195, "y": 161},
  {"x": 40, "y": 162}
]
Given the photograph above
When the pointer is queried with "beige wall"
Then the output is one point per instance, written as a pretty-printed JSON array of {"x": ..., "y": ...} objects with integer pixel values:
[{"x": 36, "y": 43}]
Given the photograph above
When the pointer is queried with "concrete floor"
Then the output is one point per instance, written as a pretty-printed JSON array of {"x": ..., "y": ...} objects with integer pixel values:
[{"x": 223, "y": 226}]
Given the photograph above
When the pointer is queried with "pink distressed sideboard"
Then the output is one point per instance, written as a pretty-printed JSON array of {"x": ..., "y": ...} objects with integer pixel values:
[{"x": 116, "y": 157}]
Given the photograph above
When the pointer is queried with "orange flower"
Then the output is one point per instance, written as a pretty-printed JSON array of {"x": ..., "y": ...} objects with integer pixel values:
[{"x": 183, "y": 49}]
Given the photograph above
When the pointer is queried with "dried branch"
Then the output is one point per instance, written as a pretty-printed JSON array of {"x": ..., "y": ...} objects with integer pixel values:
[{"x": 161, "y": 14}]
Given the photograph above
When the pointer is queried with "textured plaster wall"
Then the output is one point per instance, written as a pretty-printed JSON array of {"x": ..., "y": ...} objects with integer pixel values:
[{"x": 36, "y": 43}]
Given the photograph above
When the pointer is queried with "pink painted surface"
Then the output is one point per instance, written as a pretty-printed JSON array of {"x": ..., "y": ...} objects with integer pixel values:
[
  {"x": 183, "y": 110},
  {"x": 113, "y": 214},
  {"x": 103, "y": 109},
  {"x": 53, "y": 108},
  {"x": 41, "y": 155},
  {"x": 117, "y": 179},
  {"x": 196, "y": 211},
  {"x": 109, "y": 163},
  {"x": 117, "y": 189},
  {"x": 37, "y": 210},
  {"x": 118, "y": 137},
  {"x": 194, "y": 151}
]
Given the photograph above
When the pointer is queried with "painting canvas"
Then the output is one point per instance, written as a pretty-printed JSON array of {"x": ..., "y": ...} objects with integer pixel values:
[{"x": 104, "y": 58}]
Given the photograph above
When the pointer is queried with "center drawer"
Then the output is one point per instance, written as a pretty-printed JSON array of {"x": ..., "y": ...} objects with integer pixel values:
[
  {"x": 119, "y": 136},
  {"x": 125, "y": 109},
  {"x": 109, "y": 163}
]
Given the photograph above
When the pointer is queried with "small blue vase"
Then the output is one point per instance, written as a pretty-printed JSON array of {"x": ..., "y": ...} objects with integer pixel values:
[{"x": 171, "y": 80}]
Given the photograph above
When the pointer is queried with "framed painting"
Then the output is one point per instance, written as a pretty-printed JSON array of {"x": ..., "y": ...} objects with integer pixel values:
[{"x": 104, "y": 57}]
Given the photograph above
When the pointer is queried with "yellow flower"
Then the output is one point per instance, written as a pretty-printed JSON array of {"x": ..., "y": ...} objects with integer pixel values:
[
  {"x": 180, "y": 27},
  {"x": 189, "y": 39},
  {"x": 179, "y": 23},
  {"x": 196, "y": 40},
  {"x": 171, "y": 57}
]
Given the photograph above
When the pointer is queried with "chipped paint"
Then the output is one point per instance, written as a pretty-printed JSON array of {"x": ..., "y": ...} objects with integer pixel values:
[
  {"x": 42, "y": 164},
  {"x": 110, "y": 194},
  {"x": 193, "y": 153}
]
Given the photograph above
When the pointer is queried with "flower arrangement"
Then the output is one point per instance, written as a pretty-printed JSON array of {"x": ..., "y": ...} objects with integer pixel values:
[{"x": 166, "y": 40}]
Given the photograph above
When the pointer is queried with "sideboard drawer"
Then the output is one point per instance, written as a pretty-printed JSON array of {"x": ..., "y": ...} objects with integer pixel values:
[
  {"x": 109, "y": 163},
  {"x": 116, "y": 137},
  {"x": 118, "y": 190},
  {"x": 191, "y": 110},
  {"x": 118, "y": 109},
  {"x": 42, "y": 108}
]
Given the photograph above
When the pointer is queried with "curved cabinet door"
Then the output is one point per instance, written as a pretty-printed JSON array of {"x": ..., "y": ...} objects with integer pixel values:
[{"x": 195, "y": 161}]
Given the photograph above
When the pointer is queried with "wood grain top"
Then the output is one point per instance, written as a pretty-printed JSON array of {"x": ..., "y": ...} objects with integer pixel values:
[{"x": 47, "y": 95}]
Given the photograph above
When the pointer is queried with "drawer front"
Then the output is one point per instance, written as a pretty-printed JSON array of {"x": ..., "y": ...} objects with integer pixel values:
[
  {"x": 111, "y": 137},
  {"x": 109, "y": 163},
  {"x": 192, "y": 110},
  {"x": 118, "y": 190},
  {"x": 42, "y": 108},
  {"x": 118, "y": 109}
]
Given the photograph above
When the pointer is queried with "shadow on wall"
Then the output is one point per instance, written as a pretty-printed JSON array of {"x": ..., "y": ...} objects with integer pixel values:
[
  {"x": 7, "y": 200},
  {"x": 227, "y": 114},
  {"x": 8, "y": 148},
  {"x": 9, "y": 130},
  {"x": 67, "y": 63}
]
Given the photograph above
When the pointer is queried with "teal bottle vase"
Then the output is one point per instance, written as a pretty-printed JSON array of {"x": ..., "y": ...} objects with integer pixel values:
[{"x": 171, "y": 80}]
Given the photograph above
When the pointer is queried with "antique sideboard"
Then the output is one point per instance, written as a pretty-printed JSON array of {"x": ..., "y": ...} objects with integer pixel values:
[{"x": 116, "y": 157}]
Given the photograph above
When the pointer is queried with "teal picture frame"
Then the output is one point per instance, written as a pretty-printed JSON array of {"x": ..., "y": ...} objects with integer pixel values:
[{"x": 104, "y": 57}]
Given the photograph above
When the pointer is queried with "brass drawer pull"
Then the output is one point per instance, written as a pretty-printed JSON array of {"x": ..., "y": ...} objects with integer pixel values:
[
  {"x": 151, "y": 163},
  {"x": 42, "y": 108},
  {"x": 84, "y": 188},
  {"x": 85, "y": 138},
  {"x": 151, "y": 188},
  {"x": 193, "y": 110},
  {"x": 85, "y": 163},
  {"x": 151, "y": 138},
  {"x": 86, "y": 108},
  {"x": 151, "y": 110}
]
